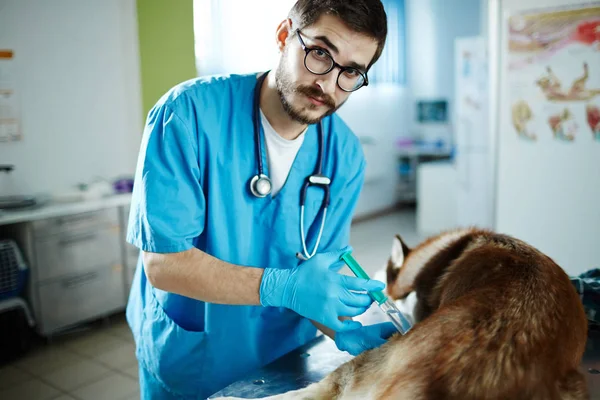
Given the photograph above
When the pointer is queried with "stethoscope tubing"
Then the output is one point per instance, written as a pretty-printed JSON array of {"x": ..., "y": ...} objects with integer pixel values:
[{"x": 316, "y": 179}]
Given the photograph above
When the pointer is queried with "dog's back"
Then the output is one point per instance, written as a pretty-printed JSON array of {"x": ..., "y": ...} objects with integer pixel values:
[{"x": 499, "y": 320}]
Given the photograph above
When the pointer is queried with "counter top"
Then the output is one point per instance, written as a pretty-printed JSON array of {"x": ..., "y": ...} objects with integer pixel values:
[
  {"x": 424, "y": 151},
  {"x": 58, "y": 209},
  {"x": 313, "y": 361}
]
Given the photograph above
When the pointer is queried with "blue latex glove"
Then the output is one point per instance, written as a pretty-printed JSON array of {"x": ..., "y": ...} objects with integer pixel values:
[
  {"x": 364, "y": 338},
  {"x": 315, "y": 290}
]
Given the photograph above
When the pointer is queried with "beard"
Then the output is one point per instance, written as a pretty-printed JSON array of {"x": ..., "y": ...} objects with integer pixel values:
[{"x": 286, "y": 89}]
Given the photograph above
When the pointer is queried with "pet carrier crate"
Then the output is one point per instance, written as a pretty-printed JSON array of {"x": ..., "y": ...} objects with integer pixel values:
[
  {"x": 16, "y": 320},
  {"x": 13, "y": 271}
]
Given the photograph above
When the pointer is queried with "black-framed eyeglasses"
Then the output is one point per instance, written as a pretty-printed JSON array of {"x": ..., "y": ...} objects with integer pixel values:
[{"x": 319, "y": 62}]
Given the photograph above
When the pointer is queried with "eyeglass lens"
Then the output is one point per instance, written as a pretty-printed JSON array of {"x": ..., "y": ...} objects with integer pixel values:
[{"x": 320, "y": 62}]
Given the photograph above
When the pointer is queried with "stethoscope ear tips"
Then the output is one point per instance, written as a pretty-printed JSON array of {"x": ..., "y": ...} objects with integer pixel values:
[{"x": 260, "y": 185}]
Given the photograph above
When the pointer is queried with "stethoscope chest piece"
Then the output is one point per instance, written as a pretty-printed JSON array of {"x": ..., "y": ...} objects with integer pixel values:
[{"x": 260, "y": 185}]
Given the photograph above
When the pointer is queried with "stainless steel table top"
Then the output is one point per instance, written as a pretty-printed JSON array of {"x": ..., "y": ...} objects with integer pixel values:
[
  {"x": 313, "y": 361},
  {"x": 297, "y": 369}
]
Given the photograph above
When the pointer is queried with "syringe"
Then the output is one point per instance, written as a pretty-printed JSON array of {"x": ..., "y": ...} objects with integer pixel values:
[{"x": 385, "y": 304}]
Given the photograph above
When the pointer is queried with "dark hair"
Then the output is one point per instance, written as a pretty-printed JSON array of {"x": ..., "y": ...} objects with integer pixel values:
[{"x": 362, "y": 16}]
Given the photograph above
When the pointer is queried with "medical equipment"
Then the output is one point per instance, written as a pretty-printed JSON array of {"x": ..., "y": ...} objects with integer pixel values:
[
  {"x": 260, "y": 184},
  {"x": 384, "y": 303}
]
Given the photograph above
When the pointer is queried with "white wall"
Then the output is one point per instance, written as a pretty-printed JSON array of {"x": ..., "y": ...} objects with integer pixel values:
[
  {"x": 432, "y": 26},
  {"x": 548, "y": 191},
  {"x": 483, "y": 17},
  {"x": 384, "y": 113},
  {"x": 77, "y": 77},
  {"x": 378, "y": 115}
]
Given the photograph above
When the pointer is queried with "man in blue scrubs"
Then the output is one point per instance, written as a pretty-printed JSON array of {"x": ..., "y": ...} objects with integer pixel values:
[{"x": 219, "y": 290}]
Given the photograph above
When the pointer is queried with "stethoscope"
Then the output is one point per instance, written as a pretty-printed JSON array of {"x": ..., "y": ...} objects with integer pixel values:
[{"x": 260, "y": 184}]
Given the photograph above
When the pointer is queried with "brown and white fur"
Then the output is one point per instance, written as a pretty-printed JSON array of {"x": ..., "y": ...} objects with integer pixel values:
[{"x": 496, "y": 319}]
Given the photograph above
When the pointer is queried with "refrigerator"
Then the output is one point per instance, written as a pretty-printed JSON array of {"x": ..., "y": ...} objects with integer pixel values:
[
  {"x": 546, "y": 133},
  {"x": 472, "y": 160}
]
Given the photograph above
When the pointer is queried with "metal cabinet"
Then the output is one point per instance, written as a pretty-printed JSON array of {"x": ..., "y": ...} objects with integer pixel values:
[
  {"x": 76, "y": 222},
  {"x": 78, "y": 268},
  {"x": 76, "y": 298},
  {"x": 76, "y": 252}
]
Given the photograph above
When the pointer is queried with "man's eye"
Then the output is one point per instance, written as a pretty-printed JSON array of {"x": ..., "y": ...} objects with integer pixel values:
[{"x": 320, "y": 53}]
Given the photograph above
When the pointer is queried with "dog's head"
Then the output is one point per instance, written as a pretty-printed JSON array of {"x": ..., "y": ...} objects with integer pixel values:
[
  {"x": 406, "y": 263},
  {"x": 399, "y": 282}
]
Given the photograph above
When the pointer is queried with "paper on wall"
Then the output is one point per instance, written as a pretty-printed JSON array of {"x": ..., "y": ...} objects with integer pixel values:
[
  {"x": 9, "y": 110},
  {"x": 554, "y": 73}
]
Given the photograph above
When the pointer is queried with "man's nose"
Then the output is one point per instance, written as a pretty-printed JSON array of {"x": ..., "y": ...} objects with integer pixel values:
[{"x": 328, "y": 82}]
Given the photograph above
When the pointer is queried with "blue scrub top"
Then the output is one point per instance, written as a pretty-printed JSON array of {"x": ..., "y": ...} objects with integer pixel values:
[{"x": 191, "y": 189}]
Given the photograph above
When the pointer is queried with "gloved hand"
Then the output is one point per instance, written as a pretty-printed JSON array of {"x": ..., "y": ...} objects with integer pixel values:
[
  {"x": 315, "y": 290},
  {"x": 364, "y": 338}
]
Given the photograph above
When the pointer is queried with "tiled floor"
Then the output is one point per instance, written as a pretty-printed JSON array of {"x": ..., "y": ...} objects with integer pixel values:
[
  {"x": 96, "y": 363},
  {"x": 99, "y": 362}
]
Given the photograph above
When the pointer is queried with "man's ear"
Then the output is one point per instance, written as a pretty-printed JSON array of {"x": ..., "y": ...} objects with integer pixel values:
[{"x": 284, "y": 30}]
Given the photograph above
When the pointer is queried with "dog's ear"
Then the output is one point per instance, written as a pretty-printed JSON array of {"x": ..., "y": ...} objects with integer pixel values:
[
  {"x": 394, "y": 268},
  {"x": 399, "y": 251}
]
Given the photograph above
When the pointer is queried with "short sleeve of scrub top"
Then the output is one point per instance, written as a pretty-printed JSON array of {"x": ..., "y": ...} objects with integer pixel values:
[{"x": 168, "y": 204}]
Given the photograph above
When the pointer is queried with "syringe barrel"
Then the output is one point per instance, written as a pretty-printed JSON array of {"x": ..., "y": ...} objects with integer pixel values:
[{"x": 398, "y": 319}]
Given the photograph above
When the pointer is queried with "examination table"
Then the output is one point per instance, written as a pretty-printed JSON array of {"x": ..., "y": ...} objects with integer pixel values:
[{"x": 313, "y": 361}]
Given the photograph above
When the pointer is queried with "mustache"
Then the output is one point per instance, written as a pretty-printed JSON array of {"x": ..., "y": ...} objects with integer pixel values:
[{"x": 317, "y": 94}]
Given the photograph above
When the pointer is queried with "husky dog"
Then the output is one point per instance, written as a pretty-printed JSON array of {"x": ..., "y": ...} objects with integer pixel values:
[{"x": 494, "y": 319}]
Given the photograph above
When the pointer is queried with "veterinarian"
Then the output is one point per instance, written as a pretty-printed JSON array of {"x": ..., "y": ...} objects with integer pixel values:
[{"x": 244, "y": 193}]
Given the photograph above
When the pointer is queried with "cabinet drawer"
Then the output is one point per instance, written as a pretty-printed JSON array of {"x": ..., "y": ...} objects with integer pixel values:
[
  {"x": 81, "y": 297},
  {"x": 76, "y": 222},
  {"x": 71, "y": 253}
]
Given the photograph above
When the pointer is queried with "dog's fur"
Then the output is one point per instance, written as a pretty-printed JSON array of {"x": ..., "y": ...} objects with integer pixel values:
[{"x": 496, "y": 319}]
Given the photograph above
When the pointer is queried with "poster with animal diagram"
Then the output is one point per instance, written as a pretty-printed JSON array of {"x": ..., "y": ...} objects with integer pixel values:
[{"x": 553, "y": 74}]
